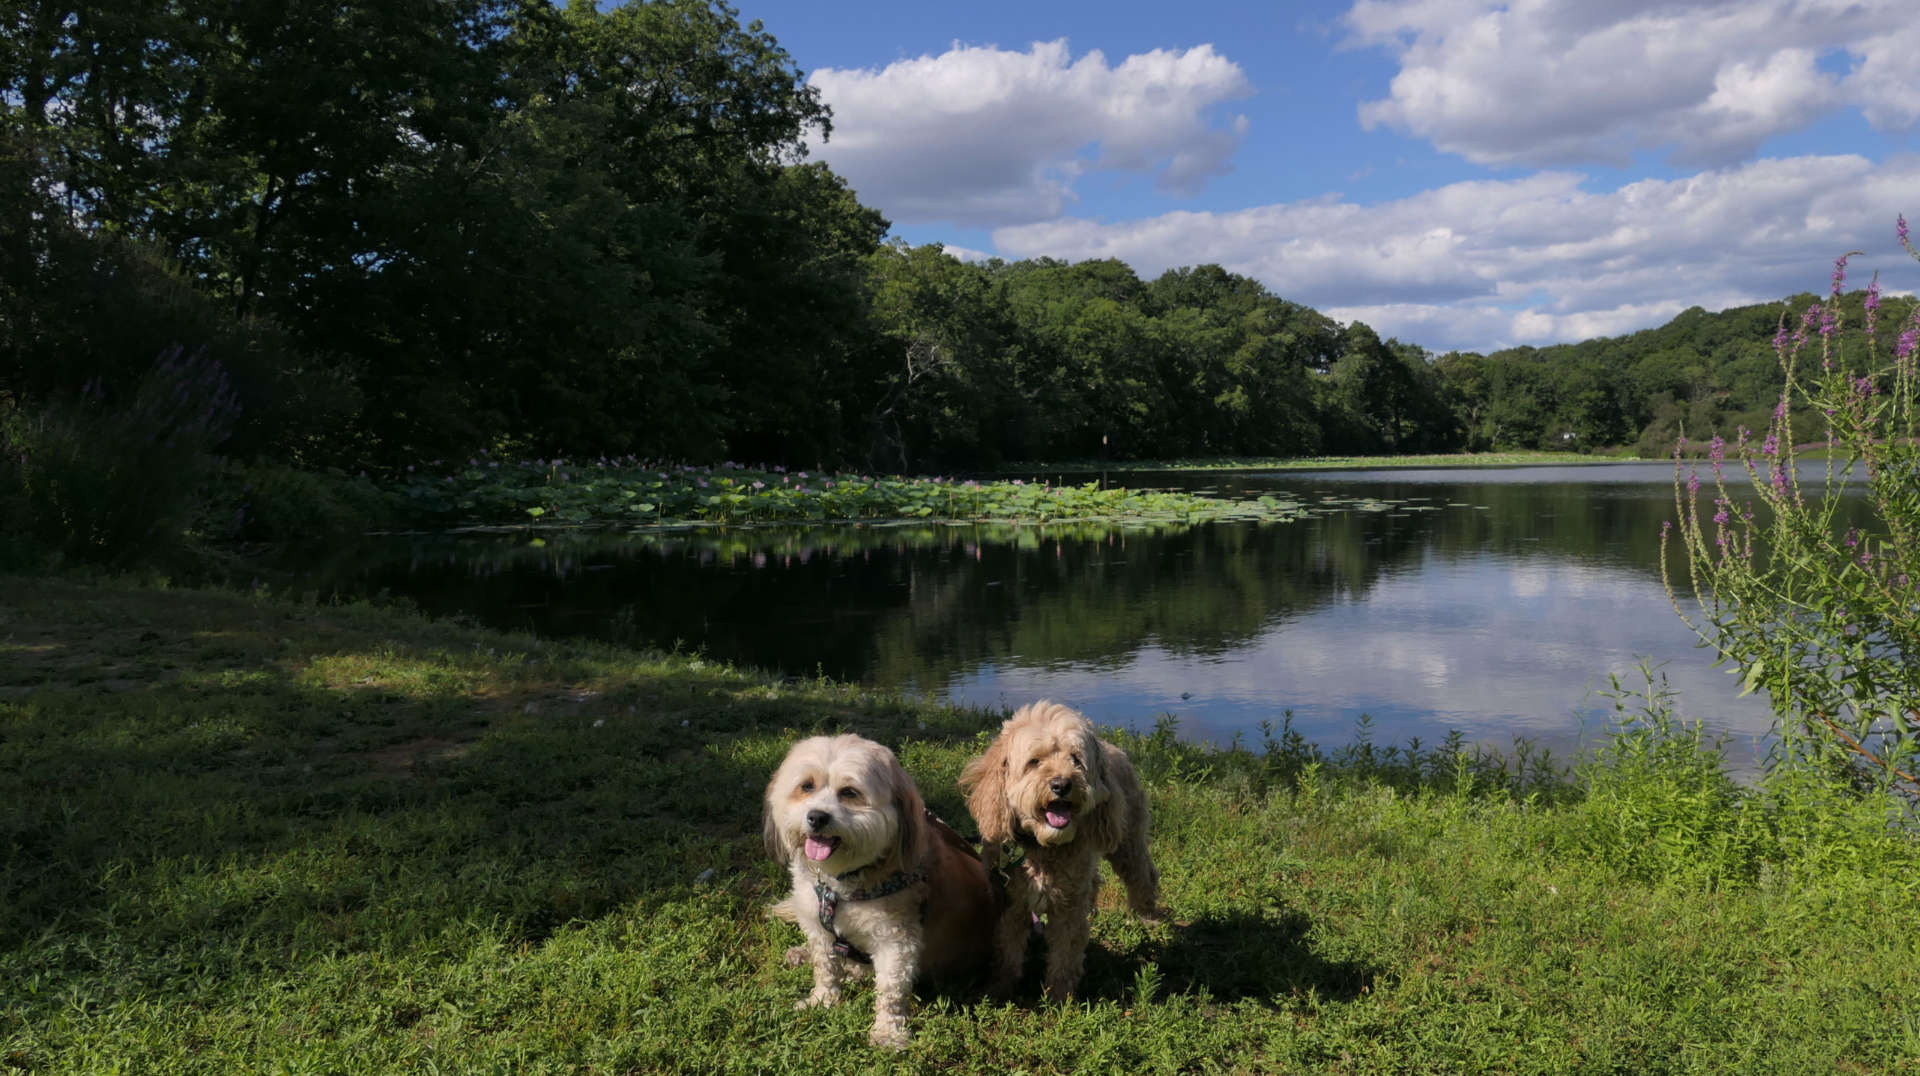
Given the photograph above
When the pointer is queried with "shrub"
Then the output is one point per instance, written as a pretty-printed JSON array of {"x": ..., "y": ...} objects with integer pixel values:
[
  {"x": 1660, "y": 803},
  {"x": 272, "y": 502},
  {"x": 97, "y": 480}
]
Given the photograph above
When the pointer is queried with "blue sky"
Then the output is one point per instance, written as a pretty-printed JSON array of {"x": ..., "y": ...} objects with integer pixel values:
[{"x": 1457, "y": 173}]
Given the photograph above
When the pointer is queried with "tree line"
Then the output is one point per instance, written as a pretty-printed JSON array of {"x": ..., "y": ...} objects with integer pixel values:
[{"x": 408, "y": 232}]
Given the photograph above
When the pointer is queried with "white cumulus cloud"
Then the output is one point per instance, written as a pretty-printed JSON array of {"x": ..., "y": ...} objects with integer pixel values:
[
  {"x": 1701, "y": 82},
  {"x": 1534, "y": 260},
  {"x": 984, "y": 136}
]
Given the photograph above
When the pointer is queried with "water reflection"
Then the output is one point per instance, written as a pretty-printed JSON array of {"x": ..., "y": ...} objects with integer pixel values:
[{"x": 1488, "y": 601}]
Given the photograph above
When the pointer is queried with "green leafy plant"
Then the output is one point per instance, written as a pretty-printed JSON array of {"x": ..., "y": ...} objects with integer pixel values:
[
  {"x": 1660, "y": 802},
  {"x": 640, "y": 493},
  {"x": 1815, "y": 608},
  {"x": 106, "y": 478}
]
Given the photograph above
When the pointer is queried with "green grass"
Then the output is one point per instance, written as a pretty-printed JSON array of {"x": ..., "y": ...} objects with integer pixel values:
[
  {"x": 1311, "y": 463},
  {"x": 242, "y": 835}
]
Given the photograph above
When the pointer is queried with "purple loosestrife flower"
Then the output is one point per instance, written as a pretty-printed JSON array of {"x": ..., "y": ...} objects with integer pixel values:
[
  {"x": 1900, "y": 231},
  {"x": 1853, "y": 537},
  {"x": 1807, "y": 322},
  {"x": 1717, "y": 453},
  {"x": 1840, "y": 272},
  {"x": 1770, "y": 446},
  {"x": 1693, "y": 483},
  {"x": 1908, "y": 340}
]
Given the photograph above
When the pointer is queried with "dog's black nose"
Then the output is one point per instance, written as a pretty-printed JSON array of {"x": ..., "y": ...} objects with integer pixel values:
[
  {"x": 1060, "y": 785},
  {"x": 817, "y": 820}
]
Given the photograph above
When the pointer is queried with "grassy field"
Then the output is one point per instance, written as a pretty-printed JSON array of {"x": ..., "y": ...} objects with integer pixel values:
[{"x": 242, "y": 835}]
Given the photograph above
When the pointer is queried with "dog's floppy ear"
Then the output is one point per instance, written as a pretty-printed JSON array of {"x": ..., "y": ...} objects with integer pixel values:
[
  {"x": 1109, "y": 777},
  {"x": 984, "y": 781},
  {"x": 910, "y": 812},
  {"x": 776, "y": 841}
]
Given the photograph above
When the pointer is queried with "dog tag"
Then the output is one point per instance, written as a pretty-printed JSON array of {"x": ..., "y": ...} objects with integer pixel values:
[{"x": 829, "y": 903}]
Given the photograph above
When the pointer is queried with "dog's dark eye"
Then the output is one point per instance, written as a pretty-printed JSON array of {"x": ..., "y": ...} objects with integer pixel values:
[
  {"x": 849, "y": 793},
  {"x": 1075, "y": 758},
  {"x": 807, "y": 785},
  {"x": 1032, "y": 762}
]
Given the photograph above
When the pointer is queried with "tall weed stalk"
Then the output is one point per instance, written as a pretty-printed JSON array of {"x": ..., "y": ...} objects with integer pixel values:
[{"x": 1818, "y": 610}]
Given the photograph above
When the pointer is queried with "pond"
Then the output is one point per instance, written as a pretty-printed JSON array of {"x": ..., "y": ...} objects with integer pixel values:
[{"x": 1492, "y": 601}]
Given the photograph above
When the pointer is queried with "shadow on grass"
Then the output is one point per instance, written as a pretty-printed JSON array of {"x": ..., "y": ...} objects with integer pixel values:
[
  {"x": 1234, "y": 956},
  {"x": 229, "y": 803}
]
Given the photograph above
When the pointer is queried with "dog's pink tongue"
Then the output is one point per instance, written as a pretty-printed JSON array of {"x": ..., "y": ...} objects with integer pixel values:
[
  {"x": 1059, "y": 819},
  {"x": 818, "y": 848}
]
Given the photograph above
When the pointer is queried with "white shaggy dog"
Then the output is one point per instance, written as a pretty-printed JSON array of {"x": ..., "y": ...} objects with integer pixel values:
[
  {"x": 875, "y": 877},
  {"x": 1054, "y": 791}
]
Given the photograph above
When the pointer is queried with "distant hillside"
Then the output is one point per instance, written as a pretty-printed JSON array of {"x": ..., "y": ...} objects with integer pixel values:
[{"x": 1711, "y": 372}]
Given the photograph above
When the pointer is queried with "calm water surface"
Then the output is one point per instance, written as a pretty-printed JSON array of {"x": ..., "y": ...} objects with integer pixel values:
[{"x": 1493, "y": 601}]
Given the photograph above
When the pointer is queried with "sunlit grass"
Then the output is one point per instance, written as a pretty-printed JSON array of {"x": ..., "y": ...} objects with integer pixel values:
[{"x": 345, "y": 839}]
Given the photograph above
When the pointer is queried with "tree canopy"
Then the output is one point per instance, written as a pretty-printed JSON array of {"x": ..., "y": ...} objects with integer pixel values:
[{"x": 413, "y": 231}]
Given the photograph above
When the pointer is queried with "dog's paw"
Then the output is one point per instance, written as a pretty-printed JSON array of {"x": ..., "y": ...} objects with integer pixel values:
[
  {"x": 1152, "y": 917},
  {"x": 1060, "y": 991},
  {"x": 819, "y": 999},
  {"x": 796, "y": 956},
  {"x": 891, "y": 1035}
]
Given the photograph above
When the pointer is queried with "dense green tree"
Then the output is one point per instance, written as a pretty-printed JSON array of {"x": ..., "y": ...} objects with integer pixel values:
[
  {"x": 1243, "y": 358},
  {"x": 1384, "y": 396},
  {"x": 568, "y": 230},
  {"x": 947, "y": 395}
]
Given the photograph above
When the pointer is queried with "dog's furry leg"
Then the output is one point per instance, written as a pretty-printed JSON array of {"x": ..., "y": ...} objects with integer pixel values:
[
  {"x": 1066, "y": 952},
  {"x": 828, "y": 971},
  {"x": 1010, "y": 948},
  {"x": 1142, "y": 879},
  {"x": 894, "y": 968}
]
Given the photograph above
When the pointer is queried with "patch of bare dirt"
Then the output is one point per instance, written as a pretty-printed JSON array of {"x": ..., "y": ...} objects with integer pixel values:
[{"x": 399, "y": 760}]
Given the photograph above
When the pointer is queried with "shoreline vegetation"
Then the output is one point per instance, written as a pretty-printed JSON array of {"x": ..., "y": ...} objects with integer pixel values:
[
  {"x": 246, "y": 834},
  {"x": 1320, "y": 463},
  {"x": 640, "y": 493},
  {"x": 492, "y": 493}
]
